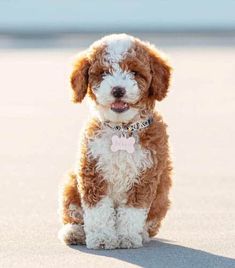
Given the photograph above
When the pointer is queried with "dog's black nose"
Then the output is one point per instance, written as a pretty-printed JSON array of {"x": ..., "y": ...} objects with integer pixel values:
[{"x": 118, "y": 92}]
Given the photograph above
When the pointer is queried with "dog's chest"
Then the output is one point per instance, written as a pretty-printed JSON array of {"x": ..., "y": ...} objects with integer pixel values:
[{"x": 120, "y": 168}]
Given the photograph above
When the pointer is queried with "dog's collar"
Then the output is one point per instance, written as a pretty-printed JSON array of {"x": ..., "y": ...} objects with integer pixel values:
[{"x": 130, "y": 128}]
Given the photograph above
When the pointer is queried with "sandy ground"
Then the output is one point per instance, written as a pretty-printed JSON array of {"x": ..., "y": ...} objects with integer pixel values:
[{"x": 39, "y": 132}]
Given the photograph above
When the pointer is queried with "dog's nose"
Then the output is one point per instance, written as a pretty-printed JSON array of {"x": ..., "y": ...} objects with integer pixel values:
[{"x": 118, "y": 92}]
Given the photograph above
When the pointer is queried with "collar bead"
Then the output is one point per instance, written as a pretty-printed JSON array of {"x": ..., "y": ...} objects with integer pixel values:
[{"x": 133, "y": 127}]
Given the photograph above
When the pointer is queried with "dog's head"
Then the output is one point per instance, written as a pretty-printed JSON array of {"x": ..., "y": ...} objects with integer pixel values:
[{"x": 122, "y": 75}]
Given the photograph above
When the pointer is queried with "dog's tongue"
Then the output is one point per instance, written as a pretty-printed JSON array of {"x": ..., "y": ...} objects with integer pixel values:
[{"x": 119, "y": 106}]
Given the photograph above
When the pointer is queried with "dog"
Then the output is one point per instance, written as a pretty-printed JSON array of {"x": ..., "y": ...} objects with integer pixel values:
[{"x": 117, "y": 195}]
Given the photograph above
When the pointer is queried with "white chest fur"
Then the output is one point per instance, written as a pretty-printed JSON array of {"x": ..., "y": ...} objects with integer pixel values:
[{"x": 120, "y": 169}]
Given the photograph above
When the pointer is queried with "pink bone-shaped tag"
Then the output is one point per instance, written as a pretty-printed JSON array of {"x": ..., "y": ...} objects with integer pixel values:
[{"x": 123, "y": 143}]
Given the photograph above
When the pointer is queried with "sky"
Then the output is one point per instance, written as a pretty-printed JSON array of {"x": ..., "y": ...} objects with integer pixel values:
[{"x": 92, "y": 15}]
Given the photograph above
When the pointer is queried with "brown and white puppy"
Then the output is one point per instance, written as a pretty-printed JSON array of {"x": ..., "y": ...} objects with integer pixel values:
[{"x": 116, "y": 198}]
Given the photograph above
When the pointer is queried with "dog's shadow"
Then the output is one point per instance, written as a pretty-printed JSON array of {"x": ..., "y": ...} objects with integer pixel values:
[{"x": 162, "y": 253}]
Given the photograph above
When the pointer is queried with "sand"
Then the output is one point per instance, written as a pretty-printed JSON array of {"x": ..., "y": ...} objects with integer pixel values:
[{"x": 39, "y": 134}]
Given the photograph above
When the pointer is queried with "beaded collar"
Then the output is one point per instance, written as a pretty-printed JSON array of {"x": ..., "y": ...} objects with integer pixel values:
[{"x": 131, "y": 128}]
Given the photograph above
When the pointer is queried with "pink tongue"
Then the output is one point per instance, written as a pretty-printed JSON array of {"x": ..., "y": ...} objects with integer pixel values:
[{"x": 118, "y": 105}]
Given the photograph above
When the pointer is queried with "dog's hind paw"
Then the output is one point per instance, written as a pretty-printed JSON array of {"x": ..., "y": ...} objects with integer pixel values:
[{"x": 72, "y": 234}]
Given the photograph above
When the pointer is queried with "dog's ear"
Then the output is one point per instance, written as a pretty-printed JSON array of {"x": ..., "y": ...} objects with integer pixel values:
[
  {"x": 161, "y": 72},
  {"x": 79, "y": 77}
]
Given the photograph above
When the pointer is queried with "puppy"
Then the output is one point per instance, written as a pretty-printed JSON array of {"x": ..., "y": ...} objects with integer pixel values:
[{"x": 117, "y": 195}]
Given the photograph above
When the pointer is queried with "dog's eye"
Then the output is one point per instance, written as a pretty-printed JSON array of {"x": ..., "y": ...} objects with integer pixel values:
[
  {"x": 104, "y": 73},
  {"x": 134, "y": 73}
]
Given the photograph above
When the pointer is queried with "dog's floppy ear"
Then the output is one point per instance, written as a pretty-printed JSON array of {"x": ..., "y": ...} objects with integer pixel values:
[
  {"x": 161, "y": 72},
  {"x": 79, "y": 77}
]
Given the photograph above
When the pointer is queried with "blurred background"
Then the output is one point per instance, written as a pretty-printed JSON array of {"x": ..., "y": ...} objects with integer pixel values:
[
  {"x": 68, "y": 16},
  {"x": 25, "y": 23},
  {"x": 39, "y": 127}
]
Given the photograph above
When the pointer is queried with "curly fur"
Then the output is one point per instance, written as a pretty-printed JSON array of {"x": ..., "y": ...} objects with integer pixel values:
[{"x": 117, "y": 199}]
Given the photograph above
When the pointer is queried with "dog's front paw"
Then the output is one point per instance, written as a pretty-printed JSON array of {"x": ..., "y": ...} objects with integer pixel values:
[
  {"x": 100, "y": 225},
  {"x": 130, "y": 226},
  {"x": 101, "y": 241},
  {"x": 131, "y": 241}
]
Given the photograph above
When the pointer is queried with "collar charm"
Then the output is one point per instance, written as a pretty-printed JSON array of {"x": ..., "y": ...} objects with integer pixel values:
[{"x": 123, "y": 144}]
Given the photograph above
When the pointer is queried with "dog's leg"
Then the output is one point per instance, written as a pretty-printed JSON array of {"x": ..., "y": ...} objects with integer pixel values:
[
  {"x": 130, "y": 226},
  {"x": 99, "y": 225},
  {"x": 147, "y": 204},
  {"x": 71, "y": 213},
  {"x": 131, "y": 217},
  {"x": 99, "y": 212}
]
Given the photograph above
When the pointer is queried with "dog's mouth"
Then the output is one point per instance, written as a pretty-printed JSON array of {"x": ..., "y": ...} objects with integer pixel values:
[{"x": 119, "y": 106}]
